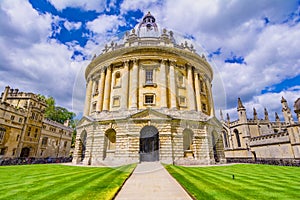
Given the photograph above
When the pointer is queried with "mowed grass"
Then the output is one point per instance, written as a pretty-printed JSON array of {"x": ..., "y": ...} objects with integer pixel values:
[
  {"x": 250, "y": 181},
  {"x": 61, "y": 181}
]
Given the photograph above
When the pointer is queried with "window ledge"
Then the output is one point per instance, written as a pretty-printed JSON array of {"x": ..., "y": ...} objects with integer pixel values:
[{"x": 150, "y": 85}]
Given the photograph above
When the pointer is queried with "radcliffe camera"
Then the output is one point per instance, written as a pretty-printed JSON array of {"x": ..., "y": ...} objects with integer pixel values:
[{"x": 149, "y": 100}]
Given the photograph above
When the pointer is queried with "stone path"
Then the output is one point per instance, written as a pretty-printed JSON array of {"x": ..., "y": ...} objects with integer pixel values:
[{"x": 150, "y": 180}]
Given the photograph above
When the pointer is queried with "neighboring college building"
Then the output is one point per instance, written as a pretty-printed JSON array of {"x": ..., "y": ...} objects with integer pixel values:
[
  {"x": 148, "y": 99},
  {"x": 260, "y": 140},
  {"x": 24, "y": 132}
]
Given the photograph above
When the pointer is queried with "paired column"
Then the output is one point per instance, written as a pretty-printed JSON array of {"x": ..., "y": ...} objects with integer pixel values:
[
  {"x": 197, "y": 89},
  {"x": 107, "y": 89},
  {"x": 209, "y": 96},
  {"x": 88, "y": 95},
  {"x": 125, "y": 76},
  {"x": 100, "y": 90},
  {"x": 190, "y": 89},
  {"x": 134, "y": 85},
  {"x": 163, "y": 84},
  {"x": 172, "y": 85}
]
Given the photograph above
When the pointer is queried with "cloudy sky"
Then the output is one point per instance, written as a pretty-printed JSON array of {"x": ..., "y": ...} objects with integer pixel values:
[{"x": 254, "y": 46}]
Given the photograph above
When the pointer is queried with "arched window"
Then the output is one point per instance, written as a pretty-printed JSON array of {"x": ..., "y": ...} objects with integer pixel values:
[
  {"x": 237, "y": 135},
  {"x": 111, "y": 139},
  {"x": 2, "y": 134},
  {"x": 225, "y": 139},
  {"x": 187, "y": 139},
  {"x": 44, "y": 140},
  {"x": 180, "y": 80},
  {"x": 117, "y": 79}
]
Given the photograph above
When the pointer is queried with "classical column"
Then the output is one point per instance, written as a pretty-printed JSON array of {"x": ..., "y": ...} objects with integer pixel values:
[
  {"x": 125, "y": 76},
  {"x": 88, "y": 96},
  {"x": 197, "y": 90},
  {"x": 172, "y": 85},
  {"x": 190, "y": 89},
  {"x": 101, "y": 91},
  {"x": 107, "y": 89},
  {"x": 163, "y": 84},
  {"x": 134, "y": 84},
  {"x": 209, "y": 95}
]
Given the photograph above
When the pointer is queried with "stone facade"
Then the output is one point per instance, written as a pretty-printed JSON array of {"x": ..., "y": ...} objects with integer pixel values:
[
  {"x": 148, "y": 99},
  {"x": 24, "y": 132},
  {"x": 260, "y": 140}
]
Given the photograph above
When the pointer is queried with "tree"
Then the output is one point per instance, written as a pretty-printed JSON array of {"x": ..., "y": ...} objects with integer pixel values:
[{"x": 57, "y": 113}]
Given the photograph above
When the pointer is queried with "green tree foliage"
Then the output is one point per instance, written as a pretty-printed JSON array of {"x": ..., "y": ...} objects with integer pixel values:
[{"x": 57, "y": 113}]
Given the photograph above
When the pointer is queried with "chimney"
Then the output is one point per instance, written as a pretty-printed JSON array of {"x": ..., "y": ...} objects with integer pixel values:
[{"x": 5, "y": 93}]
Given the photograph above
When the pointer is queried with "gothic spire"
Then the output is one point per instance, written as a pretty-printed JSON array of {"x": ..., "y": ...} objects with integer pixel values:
[
  {"x": 266, "y": 114},
  {"x": 228, "y": 118},
  {"x": 221, "y": 115},
  {"x": 240, "y": 104},
  {"x": 254, "y": 114},
  {"x": 277, "y": 117}
]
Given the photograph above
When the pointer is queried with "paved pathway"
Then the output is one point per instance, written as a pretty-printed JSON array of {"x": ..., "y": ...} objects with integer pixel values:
[{"x": 150, "y": 180}]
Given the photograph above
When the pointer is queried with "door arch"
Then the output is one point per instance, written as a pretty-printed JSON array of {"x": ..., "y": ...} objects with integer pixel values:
[{"x": 149, "y": 144}]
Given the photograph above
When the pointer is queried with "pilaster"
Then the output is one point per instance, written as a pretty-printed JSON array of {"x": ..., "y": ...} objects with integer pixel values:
[
  {"x": 107, "y": 89},
  {"x": 172, "y": 85},
  {"x": 101, "y": 91},
  {"x": 88, "y": 95},
  {"x": 163, "y": 84},
  {"x": 125, "y": 79},
  {"x": 190, "y": 88},
  {"x": 197, "y": 90},
  {"x": 134, "y": 84}
]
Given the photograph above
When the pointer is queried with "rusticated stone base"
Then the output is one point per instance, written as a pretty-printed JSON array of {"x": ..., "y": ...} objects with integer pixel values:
[{"x": 127, "y": 140}]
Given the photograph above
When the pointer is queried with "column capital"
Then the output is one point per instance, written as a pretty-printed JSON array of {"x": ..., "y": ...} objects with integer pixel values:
[
  {"x": 126, "y": 62},
  {"x": 135, "y": 60},
  {"x": 172, "y": 61},
  {"x": 163, "y": 61}
]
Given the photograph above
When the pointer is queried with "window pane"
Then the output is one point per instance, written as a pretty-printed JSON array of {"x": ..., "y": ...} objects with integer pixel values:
[{"x": 149, "y": 76}]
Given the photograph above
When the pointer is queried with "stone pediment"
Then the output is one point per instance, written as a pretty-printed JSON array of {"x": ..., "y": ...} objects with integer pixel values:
[
  {"x": 85, "y": 120},
  {"x": 150, "y": 114}
]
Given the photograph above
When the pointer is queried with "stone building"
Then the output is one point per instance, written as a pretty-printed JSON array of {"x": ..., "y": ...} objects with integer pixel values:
[
  {"x": 260, "y": 140},
  {"x": 148, "y": 99},
  {"x": 24, "y": 132}
]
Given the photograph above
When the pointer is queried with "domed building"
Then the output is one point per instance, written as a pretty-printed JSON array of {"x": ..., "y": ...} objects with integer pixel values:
[{"x": 148, "y": 99}]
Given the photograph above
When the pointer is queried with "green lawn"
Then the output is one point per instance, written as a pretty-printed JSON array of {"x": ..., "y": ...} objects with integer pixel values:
[
  {"x": 61, "y": 182},
  {"x": 250, "y": 182}
]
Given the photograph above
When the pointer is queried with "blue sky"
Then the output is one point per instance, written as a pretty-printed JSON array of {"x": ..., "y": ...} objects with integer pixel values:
[{"x": 252, "y": 45}]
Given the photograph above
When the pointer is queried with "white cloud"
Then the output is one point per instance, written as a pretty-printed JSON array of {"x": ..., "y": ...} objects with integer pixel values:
[
  {"x": 83, "y": 4},
  {"x": 138, "y": 4},
  {"x": 105, "y": 23},
  {"x": 72, "y": 25},
  {"x": 30, "y": 60}
]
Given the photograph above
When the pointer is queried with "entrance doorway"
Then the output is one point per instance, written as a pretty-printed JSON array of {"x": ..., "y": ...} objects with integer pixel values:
[
  {"x": 149, "y": 144},
  {"x": 25, "y": 152}
]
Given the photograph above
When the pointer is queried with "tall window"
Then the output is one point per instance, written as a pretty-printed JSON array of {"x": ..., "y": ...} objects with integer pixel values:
[
  {"x": 180, "y": 80},
  {"x": 237, "y": 135},
  {"x": 225, "y": 139},
  {"x": 2, "y": 134},
  {"x": 149, "y": 76},
  {"x": 45, "y": 141}
]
